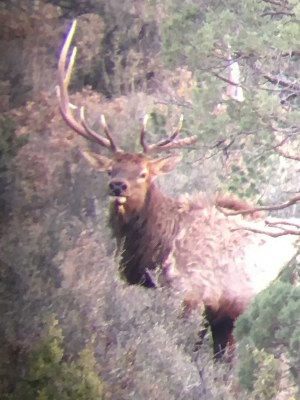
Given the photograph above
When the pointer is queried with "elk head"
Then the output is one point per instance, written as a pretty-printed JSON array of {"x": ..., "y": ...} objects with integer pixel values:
[{"x": 130, "y": 174}]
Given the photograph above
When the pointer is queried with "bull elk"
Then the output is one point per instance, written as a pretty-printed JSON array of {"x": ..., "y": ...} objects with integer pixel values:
[{"x": 201, "y": 253}]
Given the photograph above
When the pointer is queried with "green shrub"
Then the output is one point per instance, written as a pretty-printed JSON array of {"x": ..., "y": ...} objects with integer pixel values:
[
  {"x": 269, "y": 338},
  {"x": 45, "y": 375}
]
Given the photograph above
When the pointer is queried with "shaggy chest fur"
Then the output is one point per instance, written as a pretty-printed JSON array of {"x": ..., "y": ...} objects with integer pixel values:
[{"x": 145, "y": 238}]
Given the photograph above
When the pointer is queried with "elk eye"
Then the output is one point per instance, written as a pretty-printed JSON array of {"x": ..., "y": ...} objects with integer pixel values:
[
  {"x": 109, "y": 172},
  {"x": 143, "y": 174}
]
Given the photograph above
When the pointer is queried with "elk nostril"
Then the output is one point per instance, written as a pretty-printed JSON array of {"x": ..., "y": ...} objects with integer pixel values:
[{"x": 117, "y": 187}]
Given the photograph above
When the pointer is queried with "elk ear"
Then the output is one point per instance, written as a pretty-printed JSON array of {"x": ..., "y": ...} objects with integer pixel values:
[
  {"x": 165, "y": 164},
  {"x": 100, "y": 163}
]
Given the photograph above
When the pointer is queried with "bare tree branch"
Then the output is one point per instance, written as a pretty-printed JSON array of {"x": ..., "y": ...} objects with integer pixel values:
[
  {"x": 276, "y": 207},
  {"x": 274, "y": 2},
  {"x": 286, "y": 154},
  {"x": 282, "y": 222},
  {"x": 268, "y": 233},
  {"x": 281, "y": 9},
  {"x": 278, "y": 147},
  {"x": 290, "y": 130},
  {"x": 224, "y": 79},
  {"x": 285, "y": 83},
  {"x": 277, "y": 13}
]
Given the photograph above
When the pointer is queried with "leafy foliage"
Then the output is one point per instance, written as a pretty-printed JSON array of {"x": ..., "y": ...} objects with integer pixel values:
[
  {"x": 268, "y": 332},
  {"x": 46, "y": 376},
  {"x": 259, "y": 374},
  {"x": 262, "y": 37},
  {"x": 9, "y": 146}
]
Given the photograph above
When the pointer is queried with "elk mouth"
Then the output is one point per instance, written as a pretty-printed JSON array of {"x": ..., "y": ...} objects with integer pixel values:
[{"x": 119, "y": 200}]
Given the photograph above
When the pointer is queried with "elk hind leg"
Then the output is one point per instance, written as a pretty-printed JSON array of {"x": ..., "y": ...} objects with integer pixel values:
[
  {"x": 222, "y": 336},
  {"x": 221, "y": 330}
]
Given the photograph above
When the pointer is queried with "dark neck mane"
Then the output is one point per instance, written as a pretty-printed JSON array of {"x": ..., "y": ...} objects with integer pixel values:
[{"x": 144, "y": 237}]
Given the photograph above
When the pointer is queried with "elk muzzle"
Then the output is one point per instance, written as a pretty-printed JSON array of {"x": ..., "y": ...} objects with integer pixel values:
[{"x": 118, "y": 188}]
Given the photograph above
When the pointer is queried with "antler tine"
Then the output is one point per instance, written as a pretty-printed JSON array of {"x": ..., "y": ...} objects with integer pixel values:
[
  {"x": 108, "y": 134},
  {"x": 167, "y": 144},
  {"x": 92, "y": 134},
  {"x": 64, "y": 75}
]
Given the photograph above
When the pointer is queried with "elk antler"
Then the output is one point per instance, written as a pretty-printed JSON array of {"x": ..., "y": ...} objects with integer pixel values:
[
  {"x": 167, "y": 144},
  {"x": 64, "y": 75}
]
